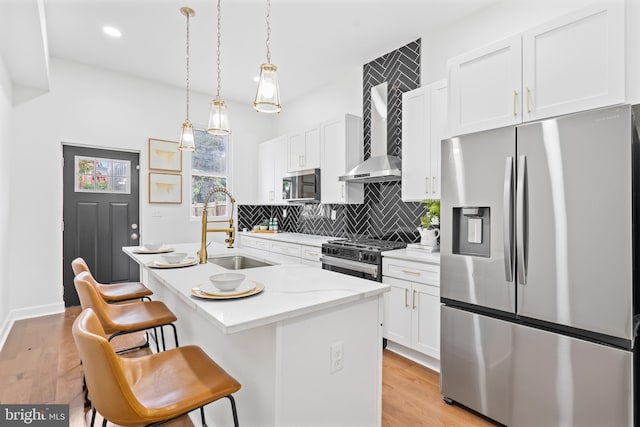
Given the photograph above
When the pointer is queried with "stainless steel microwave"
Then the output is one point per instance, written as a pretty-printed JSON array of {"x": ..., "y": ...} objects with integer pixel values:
[{"x": 302, "y": 186}]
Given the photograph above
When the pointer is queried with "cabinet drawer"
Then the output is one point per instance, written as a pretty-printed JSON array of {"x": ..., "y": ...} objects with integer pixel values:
[
  {"x": 261, "y": 244},
  {"x": 252, "y": 242},
  {"x": 412, "y": 271},
  {"x": 311, "y": 253},
  {"x": 290, "y": 249}
]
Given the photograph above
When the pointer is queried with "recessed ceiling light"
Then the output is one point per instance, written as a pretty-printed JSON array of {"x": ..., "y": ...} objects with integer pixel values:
[{"x": 112, "y": 31}]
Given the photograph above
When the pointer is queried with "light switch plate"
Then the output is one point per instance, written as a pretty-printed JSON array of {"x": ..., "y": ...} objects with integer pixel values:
[{"x": 474, "y": 231}]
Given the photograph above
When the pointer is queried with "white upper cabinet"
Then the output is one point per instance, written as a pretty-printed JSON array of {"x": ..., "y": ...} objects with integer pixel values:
[
  {"x": 424, "y": 115},
  {"x": 570, "y": 64},
  {"x": 341, "y": 150},
  {"x": 279, "y": 166},
  {"x": 574, "y": 63},
  {"x": 272, "y": 156},
  {"x": 304, "y": 150},
  {"x": 484, "y": 87},
  {"x": 266, "y": 190},
  {"x": 439, "y": 130}
]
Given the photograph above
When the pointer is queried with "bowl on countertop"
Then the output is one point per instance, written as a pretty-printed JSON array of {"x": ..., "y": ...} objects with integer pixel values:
[
  {"x": 227, "y": 281},
  {"x": 152, "y": 246},
  {"x": 174, "y": 257}
]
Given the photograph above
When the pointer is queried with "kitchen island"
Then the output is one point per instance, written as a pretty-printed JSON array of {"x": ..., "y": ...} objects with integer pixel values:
[{"x": 307, "y": 350}]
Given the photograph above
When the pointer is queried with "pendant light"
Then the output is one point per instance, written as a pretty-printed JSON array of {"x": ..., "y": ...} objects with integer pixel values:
[
  {"x": 218, "y": 117},
  {"x": 187, "y": 139},
  {"x": 268, "y": 95}
]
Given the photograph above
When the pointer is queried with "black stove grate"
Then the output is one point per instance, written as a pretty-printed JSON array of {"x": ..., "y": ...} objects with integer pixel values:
[{"x": 371, "y": 244}]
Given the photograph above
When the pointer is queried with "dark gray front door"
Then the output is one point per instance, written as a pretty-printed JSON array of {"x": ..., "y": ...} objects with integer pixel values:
[{"x": 100, "y": 214}]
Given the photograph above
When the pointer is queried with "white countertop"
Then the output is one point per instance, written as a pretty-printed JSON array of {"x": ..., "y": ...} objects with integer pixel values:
[
  {"x": 409, "y": 255},
  {"x": 290, "y": 289},
  {"x": 299, "y": 238}
]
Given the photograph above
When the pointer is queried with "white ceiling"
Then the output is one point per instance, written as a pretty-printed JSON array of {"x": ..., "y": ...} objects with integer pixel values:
[{"x": 312, "y": 41}]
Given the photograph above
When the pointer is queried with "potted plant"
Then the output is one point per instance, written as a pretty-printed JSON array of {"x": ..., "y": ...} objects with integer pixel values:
[{"x": 430, "y": 223}]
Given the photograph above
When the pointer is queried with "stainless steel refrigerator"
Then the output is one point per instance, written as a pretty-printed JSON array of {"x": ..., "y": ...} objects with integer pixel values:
[{"x": 539, "y": 266}]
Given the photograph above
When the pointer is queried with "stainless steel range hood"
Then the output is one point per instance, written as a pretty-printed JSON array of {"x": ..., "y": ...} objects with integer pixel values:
[
  {"x": 380, "y": 167},
  {"x": 376, "y": 169}
]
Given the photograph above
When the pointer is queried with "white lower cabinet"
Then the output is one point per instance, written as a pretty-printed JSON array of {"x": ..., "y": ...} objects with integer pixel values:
[
  {"x": 310, "y": 255},
  {"x": 283, "y": 252},
  {"x": 412, "y": 309}
]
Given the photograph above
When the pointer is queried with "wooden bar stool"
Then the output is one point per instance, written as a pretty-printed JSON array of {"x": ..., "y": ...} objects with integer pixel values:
[
  {"x": 115, "y": 292},
  {"x": 148, "y": 390},
  {"x": 119, "y": 319}
]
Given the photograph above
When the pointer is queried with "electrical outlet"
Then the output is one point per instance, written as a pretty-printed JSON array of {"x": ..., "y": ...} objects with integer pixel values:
[
  {"x": 333, "y": 214},
  {"x": 284, "y": 213},
  {"x": 336, "y": 357}
]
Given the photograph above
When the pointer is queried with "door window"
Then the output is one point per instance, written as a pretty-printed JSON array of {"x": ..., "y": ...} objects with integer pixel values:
[{"x": 99, "y": 175}]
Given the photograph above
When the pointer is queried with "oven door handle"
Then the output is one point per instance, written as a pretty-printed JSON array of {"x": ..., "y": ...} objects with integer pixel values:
[{"x": 351, "y": 265}]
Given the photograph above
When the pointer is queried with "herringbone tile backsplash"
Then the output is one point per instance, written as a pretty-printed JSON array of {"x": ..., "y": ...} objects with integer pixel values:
[{"x": 383, "y": 215}]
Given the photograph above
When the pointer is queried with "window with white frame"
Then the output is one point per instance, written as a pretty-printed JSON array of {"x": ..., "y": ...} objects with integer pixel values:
[
  {"x": 98, "y": 175},
  {"x": 210, "y": 169}
]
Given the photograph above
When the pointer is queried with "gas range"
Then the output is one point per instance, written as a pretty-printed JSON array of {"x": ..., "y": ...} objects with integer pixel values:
[{"x": 357, "y": 257}]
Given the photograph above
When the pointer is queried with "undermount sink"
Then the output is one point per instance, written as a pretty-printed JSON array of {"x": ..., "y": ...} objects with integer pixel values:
[{"x": 237, "y": 262}]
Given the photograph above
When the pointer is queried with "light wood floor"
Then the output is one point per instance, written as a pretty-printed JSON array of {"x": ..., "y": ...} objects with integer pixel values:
[{"x": 39, "y": 364}]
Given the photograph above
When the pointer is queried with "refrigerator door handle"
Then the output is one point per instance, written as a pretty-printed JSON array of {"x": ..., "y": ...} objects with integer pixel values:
[
  {"x": 507, "y": 221},
  {"x": 521, "y": 244}
]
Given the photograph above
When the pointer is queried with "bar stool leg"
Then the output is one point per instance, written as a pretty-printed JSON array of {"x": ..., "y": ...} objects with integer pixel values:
[
  {"x": 233, "y": 409},
  {"x": 164, "y": 344},
  {"x": 204, "y": 423}
]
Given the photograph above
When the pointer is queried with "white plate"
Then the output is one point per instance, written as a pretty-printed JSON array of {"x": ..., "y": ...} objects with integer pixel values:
[
  {"x": 142, "y": 250},
  {"x": 196, "y": 292},
  {"x": 244, "y": 287},
  {"x": 188, "y": 261}
]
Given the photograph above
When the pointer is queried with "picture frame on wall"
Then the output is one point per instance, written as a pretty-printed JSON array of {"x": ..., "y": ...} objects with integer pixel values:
[
  {"x": 165, "y": 188},
  {"x": 164, "y": 155}
]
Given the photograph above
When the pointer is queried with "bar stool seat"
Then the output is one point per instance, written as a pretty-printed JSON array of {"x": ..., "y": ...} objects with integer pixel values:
[
  {"x": 148, "y": 389},
  {"x": 119, "y": 319},
  {"x": 114, "y": 292}
]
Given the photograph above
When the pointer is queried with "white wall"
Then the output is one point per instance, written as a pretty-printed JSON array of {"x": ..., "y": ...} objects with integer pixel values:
[
  {"x": 95, "y": 107},
  {"x": 5, "y": 179},
  {"x": 342, "y": 96}
]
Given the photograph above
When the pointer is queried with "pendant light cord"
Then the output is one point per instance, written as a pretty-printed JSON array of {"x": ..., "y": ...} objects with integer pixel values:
[
  {"x": 218, "y": 53},
  {"x": 187, "y": 14},
  {"x": 268, "y": 32}
]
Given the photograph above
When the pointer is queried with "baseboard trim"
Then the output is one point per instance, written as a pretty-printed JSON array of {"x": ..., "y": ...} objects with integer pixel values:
[
  {"x": 27, "y": 313},
  {"x": 416, "y": 356}
]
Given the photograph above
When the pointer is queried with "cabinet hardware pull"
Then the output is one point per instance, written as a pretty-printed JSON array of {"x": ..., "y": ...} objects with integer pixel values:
[
  {"x": 414, "y": 299},
  {"x": 415, "y": 273},
  {"x": 515, "y": 102},
  {"x": 342, "y": 190},
  {"x": 426, "y": 185},
  {"x": 433, "y": 185},
  {"x": 406, "y": 297},
  {"x": 528, "y": 95}
]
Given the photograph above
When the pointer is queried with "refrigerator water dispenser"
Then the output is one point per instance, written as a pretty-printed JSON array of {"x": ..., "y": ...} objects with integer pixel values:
[{"x": 472, "y": 231}]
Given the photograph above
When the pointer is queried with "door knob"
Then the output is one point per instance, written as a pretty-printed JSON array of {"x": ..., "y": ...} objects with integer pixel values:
[
  {"x": 134, "y": 236},
  {"x": 134, "y": 226}
]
